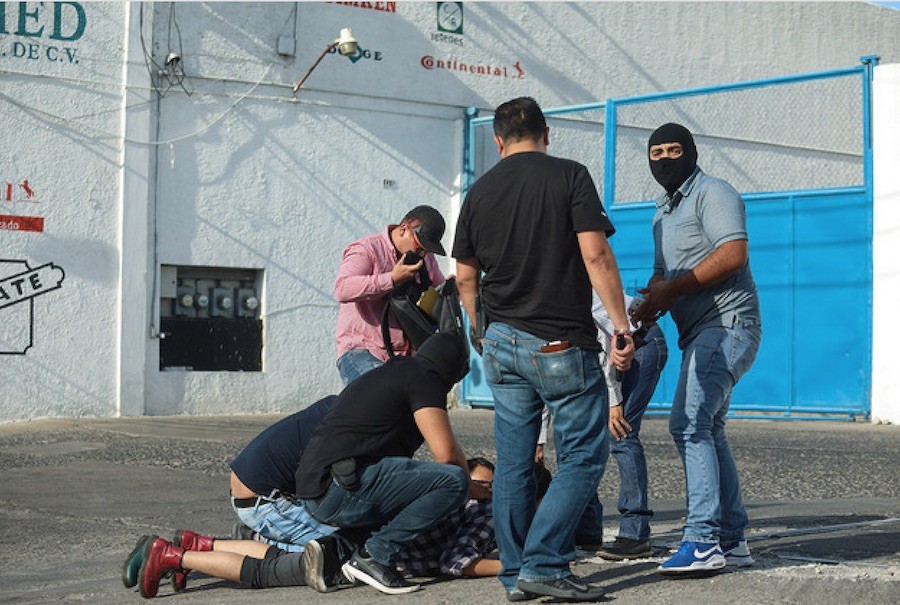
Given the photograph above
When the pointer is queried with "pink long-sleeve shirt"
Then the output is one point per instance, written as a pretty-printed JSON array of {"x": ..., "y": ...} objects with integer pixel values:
[{"x": 364, "y": 278}]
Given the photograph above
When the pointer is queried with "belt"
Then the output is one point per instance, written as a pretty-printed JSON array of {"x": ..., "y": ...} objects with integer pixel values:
[
  {"x": 257, "y": 499},
  {"x": 245, "y": 502}
]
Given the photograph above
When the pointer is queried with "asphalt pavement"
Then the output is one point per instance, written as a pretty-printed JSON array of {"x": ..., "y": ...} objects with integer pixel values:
[{"x": 823, "y": 499}]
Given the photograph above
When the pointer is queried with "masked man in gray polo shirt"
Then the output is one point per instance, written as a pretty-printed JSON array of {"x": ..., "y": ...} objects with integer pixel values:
[{"x": 701, "y": 274}]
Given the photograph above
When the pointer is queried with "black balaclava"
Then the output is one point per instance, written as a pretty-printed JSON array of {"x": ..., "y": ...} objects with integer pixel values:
[
  {"x": 445, "y": 354},
  {"x": 668, "y": 172}
]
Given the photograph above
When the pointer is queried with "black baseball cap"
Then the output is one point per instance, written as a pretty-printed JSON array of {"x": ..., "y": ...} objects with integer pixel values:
[{"x": 430, "y": 229}]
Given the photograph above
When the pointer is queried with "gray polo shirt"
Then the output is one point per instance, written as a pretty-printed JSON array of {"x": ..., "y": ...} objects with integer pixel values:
[{"x": 703, "y": 214}]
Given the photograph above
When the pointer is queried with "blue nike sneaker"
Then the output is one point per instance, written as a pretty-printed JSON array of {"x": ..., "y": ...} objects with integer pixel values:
[{"x": 694, "y": 557}]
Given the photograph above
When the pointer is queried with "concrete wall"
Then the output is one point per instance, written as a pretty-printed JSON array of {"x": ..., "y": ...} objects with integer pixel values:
[
  {"x": 234, "y": 174},
  {"x": 886, "y": 239}
]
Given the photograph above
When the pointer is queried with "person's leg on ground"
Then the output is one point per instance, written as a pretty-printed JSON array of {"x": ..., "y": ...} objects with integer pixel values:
[{"x": 404, "y": 495}]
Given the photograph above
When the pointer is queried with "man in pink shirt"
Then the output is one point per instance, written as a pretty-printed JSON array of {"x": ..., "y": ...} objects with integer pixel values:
[{"x": 372, "y": 267}]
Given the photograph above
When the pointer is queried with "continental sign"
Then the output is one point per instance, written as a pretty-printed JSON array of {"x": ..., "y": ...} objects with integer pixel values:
[{"x": 514, "y": 71}]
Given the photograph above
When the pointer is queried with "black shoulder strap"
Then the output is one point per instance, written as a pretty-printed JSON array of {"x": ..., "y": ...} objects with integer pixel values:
[{"x": 385, "y": 328}]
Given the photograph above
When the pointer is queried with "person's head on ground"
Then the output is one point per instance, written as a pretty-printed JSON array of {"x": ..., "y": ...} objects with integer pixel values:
[
  {"x": 420, "y": 232},
  {"x": 672, "y": 155},
  {"x": 481, "y": 471},
  {"x": 519, "y": 125},
  {"x": 445, "y": 355}
]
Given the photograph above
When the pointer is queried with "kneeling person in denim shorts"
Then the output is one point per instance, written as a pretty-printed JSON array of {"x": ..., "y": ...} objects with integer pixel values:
[{"x": 263, "y": 474}]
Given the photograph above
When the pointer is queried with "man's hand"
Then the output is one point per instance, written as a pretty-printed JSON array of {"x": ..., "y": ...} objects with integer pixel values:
[
  {"x": 618, "y": 426},
  {"x": 539, "y": 454},
  {"x": 479, "y": 491},
  {"x": 621, "y": 358},
  {"x": 659, "y": 297},
  {"x": 476, "y": 340},
  {"x": 401, "y": 273}
]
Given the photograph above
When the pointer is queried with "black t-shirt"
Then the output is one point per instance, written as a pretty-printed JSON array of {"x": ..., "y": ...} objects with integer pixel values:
[
  {"x": 269, "y": 461},
  {"x": 372, "y": 419},
  {"x": 520, "y": 221}
]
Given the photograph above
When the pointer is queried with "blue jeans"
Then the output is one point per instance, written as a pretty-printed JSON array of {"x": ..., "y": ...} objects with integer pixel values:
[
  {"x": 282, "y": 523},
  {"x": 539, "y": 545},
  {"x": 398, "y": 497},
  {"x": 356, "y": 362},
  {"x": 638, "y": 385},
  {"x": 712, "y": 363}
]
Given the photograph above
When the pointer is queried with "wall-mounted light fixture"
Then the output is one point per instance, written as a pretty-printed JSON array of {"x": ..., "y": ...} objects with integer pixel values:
[{"x": 346, "y": 45}]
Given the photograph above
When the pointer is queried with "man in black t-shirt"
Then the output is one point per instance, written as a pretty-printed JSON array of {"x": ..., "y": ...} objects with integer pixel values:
[
  {"x": 535, "y": 225},
  {"x": 357, "y": 470}
]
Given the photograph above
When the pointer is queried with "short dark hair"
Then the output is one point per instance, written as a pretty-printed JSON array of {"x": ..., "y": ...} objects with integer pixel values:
[
  {"x": 518, "y": 120},
  {"x": 479, "y": 461}
]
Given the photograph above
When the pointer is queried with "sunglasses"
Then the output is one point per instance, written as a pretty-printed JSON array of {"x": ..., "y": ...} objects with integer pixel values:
[{"x": 420, "y": 250}]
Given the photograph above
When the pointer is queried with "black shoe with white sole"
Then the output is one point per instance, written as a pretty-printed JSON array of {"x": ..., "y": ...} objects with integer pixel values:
[{"x": 381, "y": 577}]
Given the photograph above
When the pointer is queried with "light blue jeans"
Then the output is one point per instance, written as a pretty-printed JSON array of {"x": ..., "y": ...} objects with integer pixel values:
[
  {"x": 282, "y": 523},
  {"x": 539, "y": 545},
  {"x": 356, "y": 362},
  {"x": 712, "y": 363},
  {"x": 399, "y": 498}
]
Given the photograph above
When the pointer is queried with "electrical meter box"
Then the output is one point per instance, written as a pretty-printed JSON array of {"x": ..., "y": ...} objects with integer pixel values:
[{"x": 210, "y": 319}]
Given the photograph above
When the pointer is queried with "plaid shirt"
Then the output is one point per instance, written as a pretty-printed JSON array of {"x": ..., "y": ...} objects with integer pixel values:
[{"x": 451, "y": 544}]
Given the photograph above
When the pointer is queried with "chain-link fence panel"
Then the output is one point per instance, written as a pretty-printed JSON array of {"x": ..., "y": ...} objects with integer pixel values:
[{"x": 798, "y": 136}]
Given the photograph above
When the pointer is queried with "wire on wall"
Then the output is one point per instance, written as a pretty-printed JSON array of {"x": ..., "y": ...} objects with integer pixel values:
[
  {"x": 106, "y": 135},
  {"x": 171, "y": 72}
]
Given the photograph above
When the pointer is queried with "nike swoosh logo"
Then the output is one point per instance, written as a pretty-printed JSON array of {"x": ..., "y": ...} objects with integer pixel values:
[{"x": 703, "y": 555}]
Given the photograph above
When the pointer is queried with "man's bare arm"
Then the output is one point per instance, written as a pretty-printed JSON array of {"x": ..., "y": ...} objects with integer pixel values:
[
  {"x": 468, "y": 276},
  {"x": 434, "y": 424},
  {"x": 604, "y": 275},
  {"x": 723, "y": 262}
]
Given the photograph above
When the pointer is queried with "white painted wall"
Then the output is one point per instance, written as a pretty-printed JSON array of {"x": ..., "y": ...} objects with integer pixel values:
[
  {"x": 886, "y": 245},
  {"x": 253, "y": 180},
  {"x": 60, "y": 127}
]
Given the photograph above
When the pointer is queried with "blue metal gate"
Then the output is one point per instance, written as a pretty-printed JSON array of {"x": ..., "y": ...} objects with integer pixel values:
[{"x": 810, "y": 251}]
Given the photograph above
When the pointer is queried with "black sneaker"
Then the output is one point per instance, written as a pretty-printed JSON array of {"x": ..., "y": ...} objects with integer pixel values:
[
  {"x": 515, "y": 595},
  {"x": 322, "y": 565},
  {"x": 378, "y": 576},
  {"x": 571, "y": 587},
  {"x": 625, "y": 548},
  {"x": 589, "y": 543}
]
